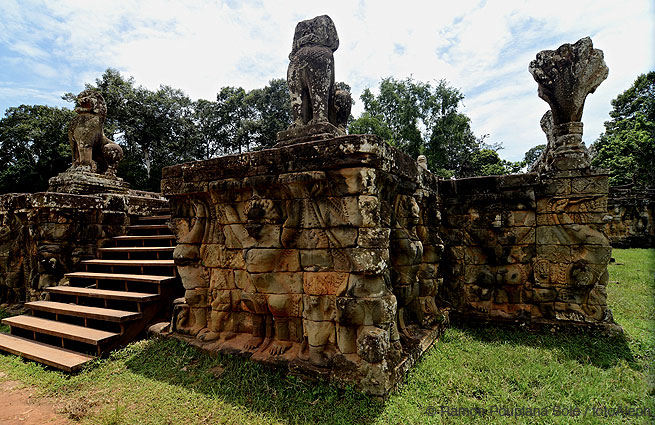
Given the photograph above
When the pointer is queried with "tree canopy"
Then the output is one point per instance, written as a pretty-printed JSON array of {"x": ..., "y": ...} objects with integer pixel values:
[
  {"x": 627, "y": 147},
  {"x": 33, "y": 147},
  {"x": 422, "y": 119},
  {"x": 162, "y": 127}
]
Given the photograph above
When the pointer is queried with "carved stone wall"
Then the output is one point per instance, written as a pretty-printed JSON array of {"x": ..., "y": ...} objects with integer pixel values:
[
  {"x": 322, "y": 256},
  {"x": 632, "y": 223},
  {"x": 45, "y": 235},
  {"x": 527, "y": 248}
]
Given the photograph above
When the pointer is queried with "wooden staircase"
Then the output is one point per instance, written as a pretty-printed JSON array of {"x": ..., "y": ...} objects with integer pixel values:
[{"x": 107, "y": 305}]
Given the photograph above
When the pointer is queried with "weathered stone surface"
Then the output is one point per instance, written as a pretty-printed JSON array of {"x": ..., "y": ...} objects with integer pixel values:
[
  {"x": 565, "y": 77},
  {"x": 318, "y": 108},
  {"x": 45, "y": 235},
  {"x": 630, "y": 219},
  {"x": 95, "y": 157}
]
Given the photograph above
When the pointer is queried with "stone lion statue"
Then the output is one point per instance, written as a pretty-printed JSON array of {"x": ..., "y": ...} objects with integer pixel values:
[
  {"x": 314, "y": 98},
  {"x": 92, "y": 150}
]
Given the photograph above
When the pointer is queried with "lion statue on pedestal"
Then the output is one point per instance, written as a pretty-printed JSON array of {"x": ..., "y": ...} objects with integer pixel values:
[
  {"x": 92, "y": 150},
  {"x": 315, "y": 100}
]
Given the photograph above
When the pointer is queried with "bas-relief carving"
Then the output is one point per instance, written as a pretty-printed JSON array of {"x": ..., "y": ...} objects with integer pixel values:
[{"x": 303, "y": 287}]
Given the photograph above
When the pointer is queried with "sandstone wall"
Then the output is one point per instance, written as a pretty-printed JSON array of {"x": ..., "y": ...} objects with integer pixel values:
[
  {"x": 527, "y": 248},
  {"x": 322, "y": 256},
  {"x": 45, "y": 235},
  {"x": 632, "y": 212}
]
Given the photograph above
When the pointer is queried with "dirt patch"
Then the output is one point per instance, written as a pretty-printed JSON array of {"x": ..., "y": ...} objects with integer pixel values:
[{"x": 19, "y": 406}]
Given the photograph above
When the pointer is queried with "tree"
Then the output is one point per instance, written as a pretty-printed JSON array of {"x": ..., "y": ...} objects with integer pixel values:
[
  {"x": 627, "y": 147},
  {"x": 419, "y": 118},
  {"x": 33, "y": 147},
  {"x": 532, "y": 155},
  {"x": 271, "y": 112}
]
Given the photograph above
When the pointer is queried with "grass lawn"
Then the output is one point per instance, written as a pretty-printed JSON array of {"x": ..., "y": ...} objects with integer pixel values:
[{"x": 165, "y": 382}]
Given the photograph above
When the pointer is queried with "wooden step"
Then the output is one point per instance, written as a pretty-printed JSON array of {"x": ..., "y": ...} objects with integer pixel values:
[
  {"x": 138, "y": 297},
  {"x": 155, "y": 217},
  {"x": 138, "y": 237},
  {"x": 97, "y": 313},
  {"x": 145, "y": 278},
  {"x": 129, "y": 263},
  {"x": 59, "y": 358},
  {"x": 60, "y": 329},
  {"x": 137, "y": 249},
  {"x": 148, "y": 227}
]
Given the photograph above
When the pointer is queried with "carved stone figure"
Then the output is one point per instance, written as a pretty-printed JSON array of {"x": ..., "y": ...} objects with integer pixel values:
[
  {"x": 92, "y": 150},
  {"x": 565, "y": 77},
  {"x": 317, "y": 106}
]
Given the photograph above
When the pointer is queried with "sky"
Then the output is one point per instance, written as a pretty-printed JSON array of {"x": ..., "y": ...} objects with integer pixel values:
[{"x": 483, "y": 48}]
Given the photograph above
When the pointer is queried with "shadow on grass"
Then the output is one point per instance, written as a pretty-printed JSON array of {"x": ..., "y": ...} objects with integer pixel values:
[
  {"x": 585, "y": 348},
  {"x": 249, "y": 384}
]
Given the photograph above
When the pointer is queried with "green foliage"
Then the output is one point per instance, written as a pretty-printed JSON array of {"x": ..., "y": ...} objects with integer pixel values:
[
  {"x": 487, "y": 162},
  {"x": 532, "y": 155},
  {"x": 164, "y": 127},
  {"x": 419, "y": 118},
  {"x": 627, "y": 147},
  {"x": 33, "y": 147}
]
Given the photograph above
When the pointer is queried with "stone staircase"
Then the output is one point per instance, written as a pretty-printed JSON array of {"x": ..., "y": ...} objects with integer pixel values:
[{"x": 107, "y": 305}]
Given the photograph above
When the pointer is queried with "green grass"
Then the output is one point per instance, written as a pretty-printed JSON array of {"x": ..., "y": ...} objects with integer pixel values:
[
  {"x": 164, "y": 381},
  {"x": 3, "y": 314}
]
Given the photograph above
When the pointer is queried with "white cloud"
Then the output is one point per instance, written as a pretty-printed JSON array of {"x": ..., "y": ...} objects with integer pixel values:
[{"x": 481, "y": 47}]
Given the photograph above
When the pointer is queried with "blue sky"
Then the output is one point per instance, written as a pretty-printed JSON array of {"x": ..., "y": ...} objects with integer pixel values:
[{"x": 481, "y": 47}]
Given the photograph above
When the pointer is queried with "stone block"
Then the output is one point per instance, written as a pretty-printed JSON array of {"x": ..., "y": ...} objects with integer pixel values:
[
  {"x": 316, "y": 260},
  {"x": 319, "y": 333},
  {"x": 543, "y": 295},
  {"x": 355, "y": 181},
  {"x": 196, "y": 297},
  {"x": 243, "y": 282},
  {"x": 262, "y": 260},
  {"x": 285, "y": 305},
  {"x": 278, "y": 282},
  {"x": 361, "y": 260},
  {"x": 346, "y": 339},
  {"x": 554, "y": 253},
  {"x": 372, "y": 343},
  {"x": 366, "y": 311},
  {"x": 325, "y": 283},
  {"x": 319, "y": 308},
  {"x": 221, "y": 279},
  {"x": 369, "y": 208},
  {"x": 373, "y": 237},
  {"x": 366, "y": 286},
  {"x": 590, "y": 185}
]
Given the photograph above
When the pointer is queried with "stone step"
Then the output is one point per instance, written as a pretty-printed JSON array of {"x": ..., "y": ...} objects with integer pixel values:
[
  {"x": 59, "y": 358},
  {"x": 60, "y": 329},
  {"x": 129, "y": 263},
  {"x": 139, "y": 297},
  {"x": 97, "y": 313}
]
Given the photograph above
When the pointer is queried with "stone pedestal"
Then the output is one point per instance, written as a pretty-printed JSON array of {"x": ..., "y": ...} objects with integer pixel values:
[
  {"x": 319, "y": 256},
  {"x": 86, "y": 183}
]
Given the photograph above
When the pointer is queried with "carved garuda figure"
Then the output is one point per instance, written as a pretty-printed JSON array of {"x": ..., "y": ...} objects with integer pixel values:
[
  {"x": 92, "y": 150},
  {"x": 317, "y": 105}
]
